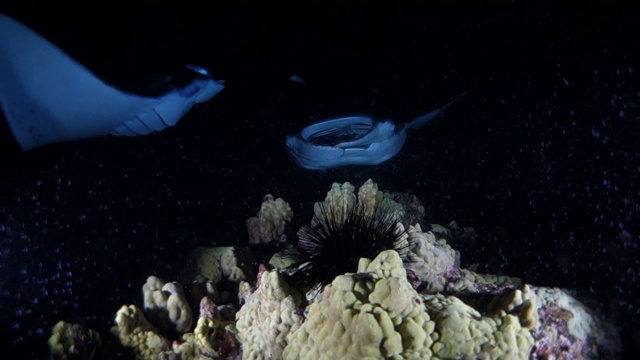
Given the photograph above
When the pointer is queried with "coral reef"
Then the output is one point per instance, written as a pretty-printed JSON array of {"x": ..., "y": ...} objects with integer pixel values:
[
  {"x": 217, "y": 263},
  {"x": 418, "y": 305},
  {"x": 269, "y": 223},
  {"x": 376, "y": 313},
  {"x": 414, "y": 211},
  {"x": 437, "y": 267},
  {"x": 166, "y": 305},
  {"x": 342, "y": 198},
  {"x": 372, "y": 314},
  {"x": 209, "y": 270},
  {"x": 73, "y": 341},
  {"x": 566, "y": 329},
  {"x": 338, "y": 241},
  {"x": 271, "y": 313},
  {"x": 462, "y": 332},
  {"x": 134, "y": 331},
  {"x": 214, "y": 336}
]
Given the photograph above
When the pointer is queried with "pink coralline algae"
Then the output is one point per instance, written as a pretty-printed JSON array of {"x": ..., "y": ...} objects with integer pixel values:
[
  {"x": 553, "y": 339},
  {"x": 208, "y": 309}
]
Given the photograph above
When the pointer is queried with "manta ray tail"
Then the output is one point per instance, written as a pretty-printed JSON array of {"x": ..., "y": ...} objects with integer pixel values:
[{"x": 422, "y": 120}]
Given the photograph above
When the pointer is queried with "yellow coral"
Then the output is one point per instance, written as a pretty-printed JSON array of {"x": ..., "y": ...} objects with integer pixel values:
[
  {"x": 72, "y": 340},
  {"x": 369, "y": 315},
  {"x": 216, "y": 263},
  {"x": 134, "y": 331},
  {"x": 269, "y": 223},
  {"x": 376, "y": 314},
  {"x": 341, "y": 198},
  {"x": 270, "y": 314},
  {"x": 166, "y": 305},
  {"x": 464, "y": 333}
]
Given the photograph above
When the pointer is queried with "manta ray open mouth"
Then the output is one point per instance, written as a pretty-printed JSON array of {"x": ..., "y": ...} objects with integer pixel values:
[{"x": 353, "y": 140}]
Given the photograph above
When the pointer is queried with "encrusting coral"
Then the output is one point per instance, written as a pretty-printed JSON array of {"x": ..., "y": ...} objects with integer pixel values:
[
  {"x": 563, "y": 327},
  {"x": 437, "y": 266}
]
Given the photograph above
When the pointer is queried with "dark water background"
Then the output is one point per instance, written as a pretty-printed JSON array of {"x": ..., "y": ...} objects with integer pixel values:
[{"x": 541, "y": 156}]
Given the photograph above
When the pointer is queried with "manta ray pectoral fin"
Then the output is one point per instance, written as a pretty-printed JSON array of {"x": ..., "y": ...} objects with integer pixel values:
[
  {"x": 377, "y": 152},
  {"x": 48, "y": 97},
  {"x": 312, "y": 156},
  {"x": 169, "y": 110}
]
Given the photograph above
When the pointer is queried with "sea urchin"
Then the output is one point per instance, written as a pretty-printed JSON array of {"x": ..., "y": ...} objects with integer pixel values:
[{"x": 341, "y": 236}]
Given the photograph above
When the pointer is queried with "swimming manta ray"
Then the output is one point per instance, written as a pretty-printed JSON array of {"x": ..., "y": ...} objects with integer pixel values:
[
  {"x": 48, "y": 97},
  {"x": 353, "y": 140}
]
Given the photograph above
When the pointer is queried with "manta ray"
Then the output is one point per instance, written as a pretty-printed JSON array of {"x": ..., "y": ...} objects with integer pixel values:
[
  {"x": 352, "y": 140},
  {"x": 48, "y": 97}
]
